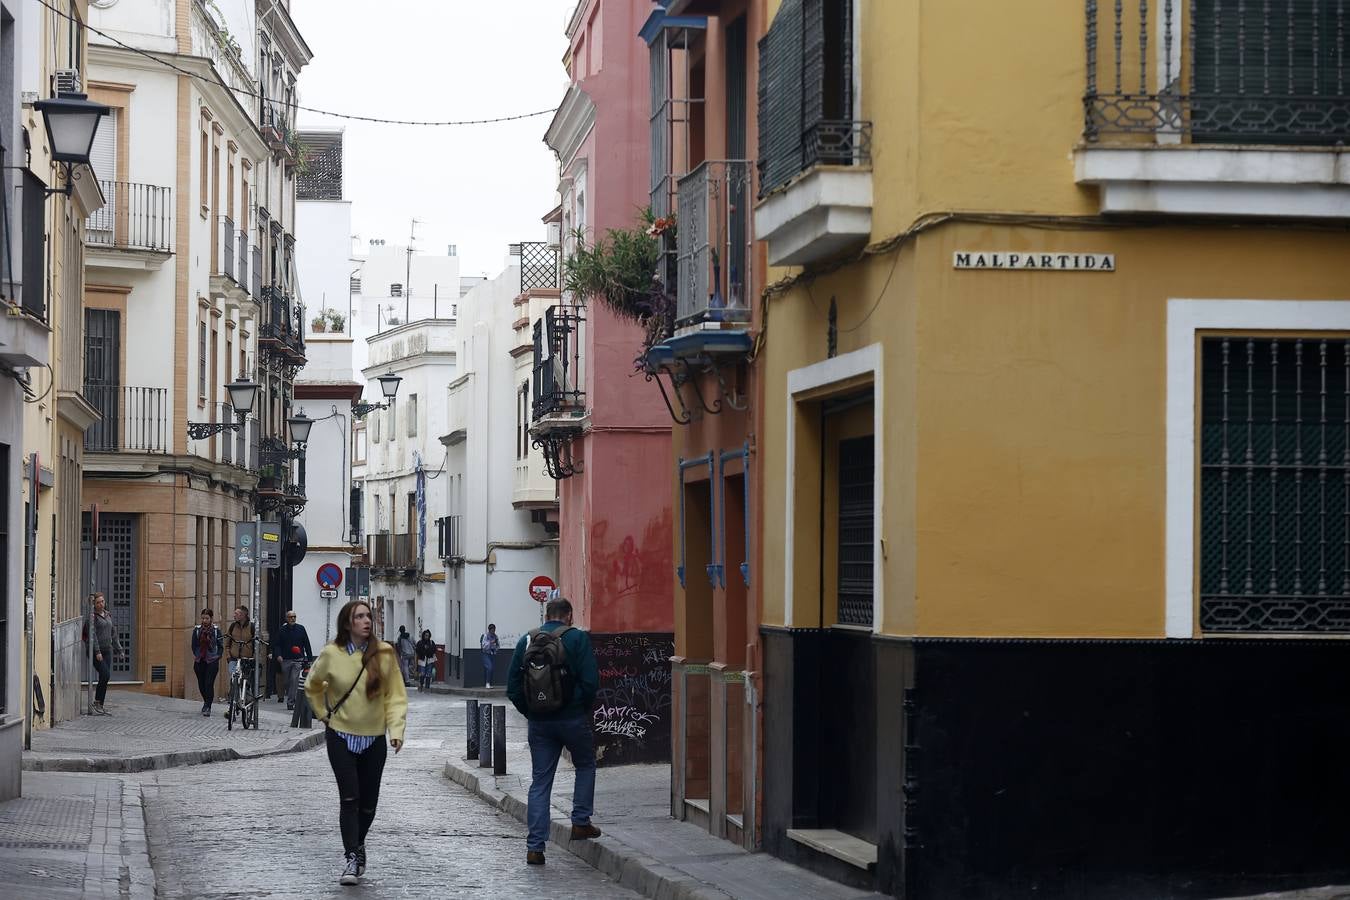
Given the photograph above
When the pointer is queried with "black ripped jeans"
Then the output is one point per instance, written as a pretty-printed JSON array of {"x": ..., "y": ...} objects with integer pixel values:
[{"x": 358, "y": 780}]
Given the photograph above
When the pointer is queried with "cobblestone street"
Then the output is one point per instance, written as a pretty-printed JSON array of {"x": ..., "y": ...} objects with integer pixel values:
[{"x": 268, "y": 828}]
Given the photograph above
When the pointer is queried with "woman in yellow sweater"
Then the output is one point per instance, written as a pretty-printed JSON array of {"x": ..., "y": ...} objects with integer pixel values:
[{"x": 356, "y": 688}]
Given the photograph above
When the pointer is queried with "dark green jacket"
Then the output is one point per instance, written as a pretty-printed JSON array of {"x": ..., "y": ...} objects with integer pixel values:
[{"x": 585, "y": 674}]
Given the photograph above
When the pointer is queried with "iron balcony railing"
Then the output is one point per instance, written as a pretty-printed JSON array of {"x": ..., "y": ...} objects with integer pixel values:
[
  {"x": 134, "y": 419},
  {"x": 227, "y": 248},
  {"x": 392, "y": 551},
  {"x": 539, "y": 265},
  {"x": 134, "y": 217},
  {"x": 255, "y": 269},
  {"x": 1218, "y": 71},
  {"x": 234, "y": 448},
  {"x": 559, "y": 379},
  {"x": 449, "y": 531},
  {"x": 713, "y": 243}
]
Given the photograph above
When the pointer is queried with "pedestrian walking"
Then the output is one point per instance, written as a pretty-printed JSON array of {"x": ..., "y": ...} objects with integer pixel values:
[
  {"x": 355, "y": 690},
  {"x": 488, "y": 645},
  {"x": 552, "y": 681},
  {"x": 99, "y": 626},
  {"x": 206, "y": 649},
  {"x": 404, "y": 646},
  {"x": 293, "y": 650},
  {"x": 426, "y": 661}
]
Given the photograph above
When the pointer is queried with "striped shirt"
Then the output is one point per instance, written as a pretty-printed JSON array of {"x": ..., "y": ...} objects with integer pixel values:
[{"x": 356, "y": 743}]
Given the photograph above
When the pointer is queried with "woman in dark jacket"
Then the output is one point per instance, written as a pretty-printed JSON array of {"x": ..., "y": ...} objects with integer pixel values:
[
  {"x": 426, "y": 661},
  {"x": 99, "y": 628}
]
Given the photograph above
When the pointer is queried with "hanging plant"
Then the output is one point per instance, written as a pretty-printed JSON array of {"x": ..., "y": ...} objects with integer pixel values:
[{"x": 621, "y": 271}]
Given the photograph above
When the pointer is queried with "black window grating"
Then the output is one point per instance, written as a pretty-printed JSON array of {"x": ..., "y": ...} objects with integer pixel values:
[
  {"x": 118, "y": 530},
  {"x": 1275, "y": 485},
  {"x": 856, "y": 479},
  {"x": 158, "y": 674}
]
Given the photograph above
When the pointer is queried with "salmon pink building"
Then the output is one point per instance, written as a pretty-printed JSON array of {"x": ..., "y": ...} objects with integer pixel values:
[{"x": 604, "y": 436}]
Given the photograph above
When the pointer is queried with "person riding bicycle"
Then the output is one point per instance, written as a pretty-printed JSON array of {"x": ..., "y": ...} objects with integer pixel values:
[{"x": 239, "y": 643}]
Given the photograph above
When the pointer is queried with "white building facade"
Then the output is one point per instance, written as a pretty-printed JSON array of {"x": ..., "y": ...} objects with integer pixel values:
[
  {"x": 327, "y": 387},
  {"x": 499, "y": 531}
]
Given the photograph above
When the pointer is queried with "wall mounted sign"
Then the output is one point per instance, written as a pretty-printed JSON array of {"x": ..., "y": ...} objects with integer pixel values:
[{"x": 1054, "y": 262}]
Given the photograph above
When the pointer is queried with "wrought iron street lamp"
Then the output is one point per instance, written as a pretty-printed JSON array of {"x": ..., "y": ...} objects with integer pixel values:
[
  {"x": 71, "y": 121},
  {"x": 389, "y": 383},
  {"x": 300, "y": 424},
  {"x": 243, "y": 394}
]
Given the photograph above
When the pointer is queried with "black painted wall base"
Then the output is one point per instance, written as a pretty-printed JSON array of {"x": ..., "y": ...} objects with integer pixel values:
[{"x": 1042, "y": 769}]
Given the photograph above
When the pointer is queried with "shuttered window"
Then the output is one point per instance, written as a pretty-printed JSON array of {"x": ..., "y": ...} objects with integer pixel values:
[{"x": 1272, "y": 72}]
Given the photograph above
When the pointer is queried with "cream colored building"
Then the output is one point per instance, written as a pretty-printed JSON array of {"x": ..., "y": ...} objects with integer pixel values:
[{"x": 190, "y": 285}]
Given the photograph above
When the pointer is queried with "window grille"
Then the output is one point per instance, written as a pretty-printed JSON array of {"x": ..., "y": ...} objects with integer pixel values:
[
  {"x": 395, "y": 290},
  {"x": 856, "y": 477},
  {"x": 355, "y": 285},
  {"x": 1275, "y": 485}
]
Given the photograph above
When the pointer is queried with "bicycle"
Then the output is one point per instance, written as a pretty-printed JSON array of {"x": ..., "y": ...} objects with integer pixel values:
[{"x": 243, "y": 698}]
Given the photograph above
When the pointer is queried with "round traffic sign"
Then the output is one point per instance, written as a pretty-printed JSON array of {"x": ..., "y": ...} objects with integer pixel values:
[
  {"x": 540, "y": 588},
  {"x": 329, "y": 576}
]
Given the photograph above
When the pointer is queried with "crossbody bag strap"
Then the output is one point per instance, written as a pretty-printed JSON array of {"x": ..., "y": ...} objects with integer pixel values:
[{"x": 332, "y": 710}]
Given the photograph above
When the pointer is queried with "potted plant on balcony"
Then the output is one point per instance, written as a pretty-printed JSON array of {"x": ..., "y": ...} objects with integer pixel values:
[
  {"x": 337, "y": 323},
  {"x": 319, "y": 323},
  {"x": 622, "y": 271}
]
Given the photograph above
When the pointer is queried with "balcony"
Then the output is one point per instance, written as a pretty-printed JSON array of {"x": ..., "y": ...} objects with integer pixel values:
[
  {"x": 816, "y": 195},
  {"x": 533, "y": 488},
  {"x": 1213, "y": 108},
  {"x": 713, "y": 244},
  {"x": 558, "y": 383},
  {"x": 134, "y": 419},
  {"x": 134, "y": 229},
  {"x": 450, "y": 539},
  {"x": 230, "y": 279},
  {"x": 392, "y": 551},
  {"x": 278, "y": 133},
  {"x": 282, "y": 336}
]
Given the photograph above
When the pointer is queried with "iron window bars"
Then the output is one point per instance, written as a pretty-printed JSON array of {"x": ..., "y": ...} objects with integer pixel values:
[
  {"x": 1253, "y": 71},
  {"x": 1275, "y": 485},
  {"x": 713, "y": 243},
  {"x": 539, "y": 265},
  {"x": 558, "y": 380}
]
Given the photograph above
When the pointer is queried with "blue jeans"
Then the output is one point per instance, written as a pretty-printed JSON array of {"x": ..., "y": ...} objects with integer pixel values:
[
  {"x": 547, "y": 740},
  {"x": 489, "y": 663}
]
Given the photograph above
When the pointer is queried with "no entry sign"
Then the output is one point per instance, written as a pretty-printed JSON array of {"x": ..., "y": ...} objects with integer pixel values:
[{"x": 540, "y": 587}]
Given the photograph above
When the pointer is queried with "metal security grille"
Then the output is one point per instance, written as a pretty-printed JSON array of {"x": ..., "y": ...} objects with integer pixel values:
[
  {"x": 1275, "y": 485},
  {"x": 855, "y": 531},
  {"x": 5, "y": 488},
  {"x": 116, "y": 577},
  {"x": 538, "y": 265}
]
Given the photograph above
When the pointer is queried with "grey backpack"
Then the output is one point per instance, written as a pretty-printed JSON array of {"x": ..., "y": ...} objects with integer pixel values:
[{"x": 548, "y": 680}]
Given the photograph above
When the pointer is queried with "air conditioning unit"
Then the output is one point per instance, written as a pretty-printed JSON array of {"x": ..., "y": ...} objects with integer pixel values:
[
  {"x": 68, "y": 81},
  {"x": 396, "y": 290}
]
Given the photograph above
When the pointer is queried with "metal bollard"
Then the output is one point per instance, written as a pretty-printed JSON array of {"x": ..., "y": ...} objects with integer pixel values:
[
  {"x": 484, "y": 735},
  {"x": 471, "y": 728},
  {"x": 499, "y": 740}
]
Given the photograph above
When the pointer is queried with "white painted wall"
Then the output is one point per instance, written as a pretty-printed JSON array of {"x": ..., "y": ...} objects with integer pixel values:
[
  {"x": 503, "y": 548},
  {"x": 434, "y": 285}
]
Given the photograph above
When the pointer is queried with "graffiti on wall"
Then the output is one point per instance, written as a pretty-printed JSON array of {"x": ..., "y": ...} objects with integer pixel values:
[
  {"x": 632, "y": 707},
  {"x": 631, "y": 577}
]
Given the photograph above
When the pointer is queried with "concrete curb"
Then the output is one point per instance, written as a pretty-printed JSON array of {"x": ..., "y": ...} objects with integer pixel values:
[
  {"x": 608, "y": 855},
  {"x": 150, "y": 761}
]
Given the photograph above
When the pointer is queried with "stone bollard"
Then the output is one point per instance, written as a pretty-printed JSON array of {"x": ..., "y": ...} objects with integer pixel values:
[
  {"x": 499, "y": 740},
  {"x": 484, "y": 735},
  {"x": 471, "y": 728}
]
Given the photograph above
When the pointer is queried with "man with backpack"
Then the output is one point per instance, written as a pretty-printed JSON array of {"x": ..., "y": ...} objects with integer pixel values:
[{"x": 552, "y": 681}]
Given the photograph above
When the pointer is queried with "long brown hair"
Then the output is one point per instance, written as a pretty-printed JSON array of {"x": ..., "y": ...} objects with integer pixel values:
[{"x": 373, "y": 647}]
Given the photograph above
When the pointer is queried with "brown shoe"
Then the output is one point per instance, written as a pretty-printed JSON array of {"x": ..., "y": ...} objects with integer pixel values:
[
  {"x": 534, "y": 857},
  {"x": 582, "y": 832}
]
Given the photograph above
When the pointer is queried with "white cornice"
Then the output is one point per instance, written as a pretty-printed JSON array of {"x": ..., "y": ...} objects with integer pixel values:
[
  {"x": 209, "y": 83},
  {"x": 571, "y": 123}
]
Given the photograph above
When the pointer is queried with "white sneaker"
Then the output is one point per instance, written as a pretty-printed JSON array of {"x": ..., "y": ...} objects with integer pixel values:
[{"x": 352, "y": 873}]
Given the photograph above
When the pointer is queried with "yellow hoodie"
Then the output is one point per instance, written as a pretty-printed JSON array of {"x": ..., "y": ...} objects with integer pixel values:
[{"x": 336, "y": 669}]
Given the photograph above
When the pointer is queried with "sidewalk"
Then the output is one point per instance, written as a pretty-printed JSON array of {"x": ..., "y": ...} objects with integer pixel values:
[
  {"x": 643, "y": 847},
  {"x": 75, "y": 836},
  {"x": 146, "y": 731}
]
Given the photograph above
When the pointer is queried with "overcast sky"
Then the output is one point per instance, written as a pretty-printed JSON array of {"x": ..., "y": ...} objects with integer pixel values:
[{"x": 480, "y": 187}]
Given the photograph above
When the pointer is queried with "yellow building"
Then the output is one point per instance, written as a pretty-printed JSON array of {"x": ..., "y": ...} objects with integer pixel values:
[
  {"x": 57, "y": 414},
  {"x": 1056, "y": 409}
]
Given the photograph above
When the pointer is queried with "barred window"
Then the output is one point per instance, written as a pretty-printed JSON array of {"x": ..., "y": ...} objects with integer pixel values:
[
  {"x": 1275, "y": 473},
  {"x": 856, "y": 479}
]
